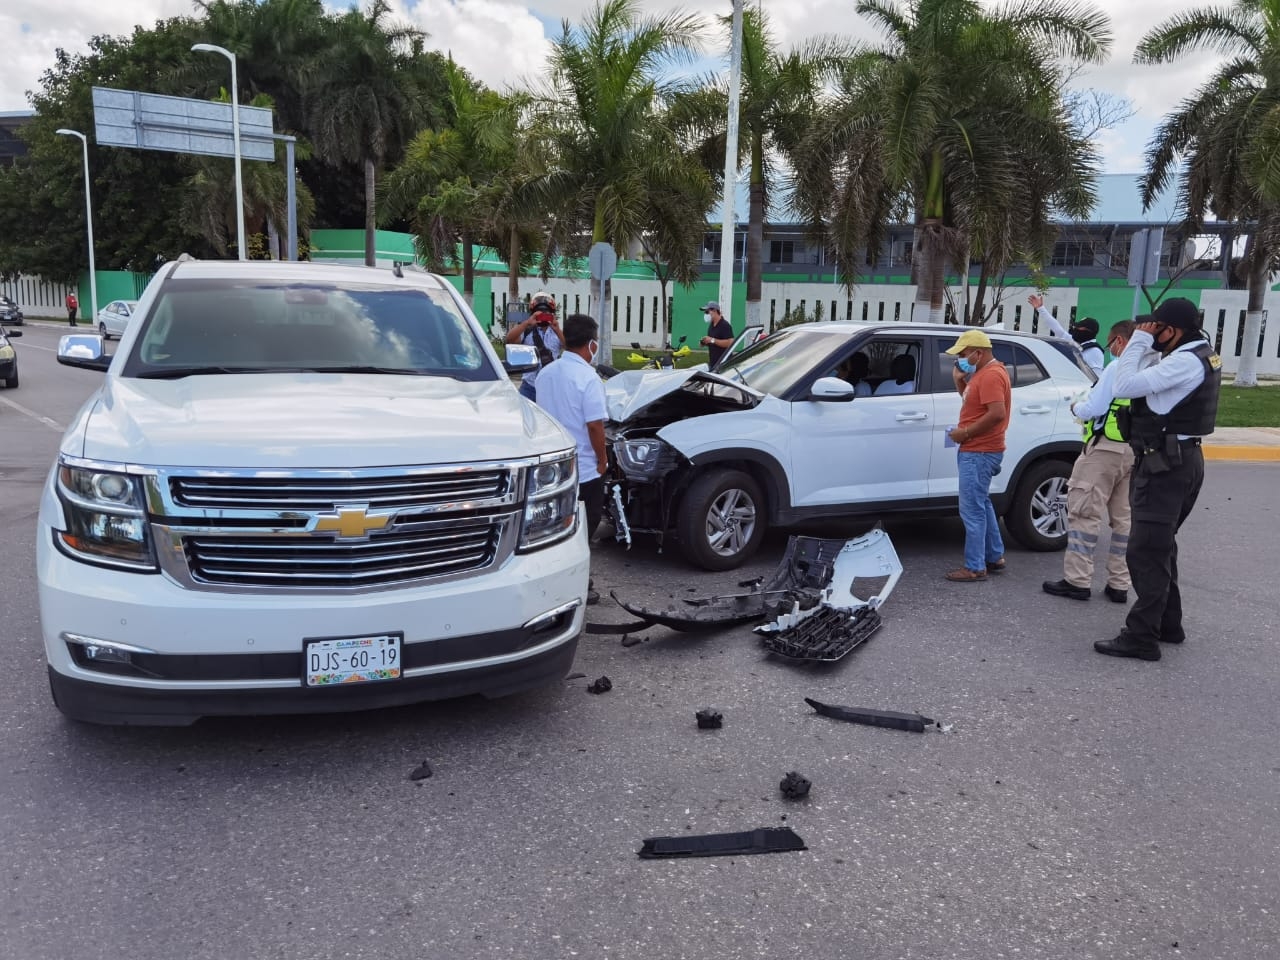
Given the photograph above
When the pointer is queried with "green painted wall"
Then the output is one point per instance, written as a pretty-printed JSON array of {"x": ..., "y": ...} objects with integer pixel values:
[{"x": 112, "y": 285}]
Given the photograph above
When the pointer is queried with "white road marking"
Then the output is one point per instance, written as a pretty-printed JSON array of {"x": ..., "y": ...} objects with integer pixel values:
[
  {"x": 32, "y": 346},
  {"x": 50, "y": 423}
]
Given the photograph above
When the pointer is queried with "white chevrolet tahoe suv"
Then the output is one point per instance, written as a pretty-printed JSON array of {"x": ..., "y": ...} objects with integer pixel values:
[
  {"x": 826, "y": 420},
  {"x": 304, "y": 488}
]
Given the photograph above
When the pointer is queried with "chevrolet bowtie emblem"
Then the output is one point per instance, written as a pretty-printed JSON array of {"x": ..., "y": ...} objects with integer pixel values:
[{"x": 351, "y": 522}]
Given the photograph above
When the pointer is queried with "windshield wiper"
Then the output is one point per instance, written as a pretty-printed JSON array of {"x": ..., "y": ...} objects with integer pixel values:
[
  {"x": 364, "y": 368},
  {"x": 177, "y": 373}
]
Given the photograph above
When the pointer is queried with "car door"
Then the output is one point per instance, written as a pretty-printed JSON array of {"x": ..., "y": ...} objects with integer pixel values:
[
  {"x": 867, "y": 450},
  {"x": 1034, "y": 401}
]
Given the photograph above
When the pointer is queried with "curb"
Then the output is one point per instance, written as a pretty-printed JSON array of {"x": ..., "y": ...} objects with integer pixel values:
[{"x": 1240, "y": 453}]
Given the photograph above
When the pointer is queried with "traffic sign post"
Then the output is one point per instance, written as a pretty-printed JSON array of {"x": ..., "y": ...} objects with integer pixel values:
[
  {"x": 1144, "y": 260},
  {"x": 603, "y": 261}
]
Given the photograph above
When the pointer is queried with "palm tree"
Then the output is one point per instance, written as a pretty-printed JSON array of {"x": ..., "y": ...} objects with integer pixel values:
[
  {"x": 778, "y": 98},
  {"x": 1222, "y": 144},
  {"x": 449, "y": 180},
  {"x": 363, "y": 105},
  {"x": 602, "y": 118},
  {"x": 958, "y": 118}
]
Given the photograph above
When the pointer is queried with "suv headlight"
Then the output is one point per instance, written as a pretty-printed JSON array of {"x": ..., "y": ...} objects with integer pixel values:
[
  {"x": 106, "y": 518},
  {"x": 6, "y": 352},
  {"x": 551, "y": 502},
  {"x": 643, "y": 459}
]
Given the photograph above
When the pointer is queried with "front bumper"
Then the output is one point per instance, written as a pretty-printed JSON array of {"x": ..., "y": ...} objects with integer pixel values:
[
  {"x": 207, "y": 653},
  {"x": 8, "y": 368}
]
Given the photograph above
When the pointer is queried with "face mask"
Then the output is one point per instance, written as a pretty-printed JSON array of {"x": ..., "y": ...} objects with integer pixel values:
[
  {"x": 595, "y": 348},
  {"x": 965, "y": 366},
  {"x": 707, "y": 318}
]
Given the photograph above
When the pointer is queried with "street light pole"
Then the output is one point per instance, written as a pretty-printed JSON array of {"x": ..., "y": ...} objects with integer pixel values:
[
  {"x": 88, "y": 219},
  {"x": 241, "y": 248},
  {"x": 731, "y": 167}
]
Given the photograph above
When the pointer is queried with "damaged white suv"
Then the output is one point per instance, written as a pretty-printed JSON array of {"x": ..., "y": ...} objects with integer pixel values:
[{"x": 784, "y": 432}]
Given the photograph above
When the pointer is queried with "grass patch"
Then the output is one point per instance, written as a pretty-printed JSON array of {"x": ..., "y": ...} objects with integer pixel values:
[{"x": 1249, "y": 406}]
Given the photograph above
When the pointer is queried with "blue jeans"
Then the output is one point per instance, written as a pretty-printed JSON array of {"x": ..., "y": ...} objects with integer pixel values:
[
  {"x": 982, "y": 542},
  {"x": 529, "y": 391}
]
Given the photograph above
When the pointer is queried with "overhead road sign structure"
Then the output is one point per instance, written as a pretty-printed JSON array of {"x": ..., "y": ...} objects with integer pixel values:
[{"x": 151, "y": 121}]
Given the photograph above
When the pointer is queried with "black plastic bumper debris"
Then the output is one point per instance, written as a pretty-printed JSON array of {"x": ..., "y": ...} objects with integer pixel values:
[
  {"x": 826, "y": 636},
  {"x": 601, "y": 685},
  {"x": 709, "y": 719},
  {"x": 422, "y": 772},
  {"x": 764, "y": 840},
  {"x": 913, "y": 722},
  {"x": 794, "y": 786}
]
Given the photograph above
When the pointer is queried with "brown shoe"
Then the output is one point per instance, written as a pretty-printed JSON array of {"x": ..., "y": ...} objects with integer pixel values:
[
  {"x": 997, "y": 567},
  {"x": 965, "y": 575}
]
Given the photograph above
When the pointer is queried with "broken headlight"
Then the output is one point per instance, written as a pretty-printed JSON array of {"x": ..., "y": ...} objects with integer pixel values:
[
  {"x": 643, "y": 459},
  {"x": 551, "y": 501},
  {"x": 106, "y": 518}
]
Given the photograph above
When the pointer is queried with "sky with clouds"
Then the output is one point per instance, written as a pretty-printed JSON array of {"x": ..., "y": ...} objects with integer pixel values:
[{"x": 500, "y": 42}]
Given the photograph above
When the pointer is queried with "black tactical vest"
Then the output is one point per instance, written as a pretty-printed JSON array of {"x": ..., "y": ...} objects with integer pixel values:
[{"x": 1194, "y": 416}]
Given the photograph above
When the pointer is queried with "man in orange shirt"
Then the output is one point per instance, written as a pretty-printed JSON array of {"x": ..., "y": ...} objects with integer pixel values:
[{"x": 984, "y": 418}]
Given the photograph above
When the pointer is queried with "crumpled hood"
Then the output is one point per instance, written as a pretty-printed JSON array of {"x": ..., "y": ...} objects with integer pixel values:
[
  {"x": 309, "y": 421},
  {"x": 631, "y": 391}
]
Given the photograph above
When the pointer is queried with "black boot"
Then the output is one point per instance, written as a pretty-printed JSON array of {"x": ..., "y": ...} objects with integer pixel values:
[
  {"x": 1060, "y": 588},
  {"x": 1127, "y": 645},
  {"x": 1117, "y": 596}
]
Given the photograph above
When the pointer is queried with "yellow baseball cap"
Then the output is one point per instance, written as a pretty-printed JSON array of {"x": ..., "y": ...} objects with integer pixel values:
[{"x": 969, "y": 340}]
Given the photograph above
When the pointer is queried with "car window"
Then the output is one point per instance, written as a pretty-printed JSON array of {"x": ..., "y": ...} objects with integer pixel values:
[
  {"x": 1017, "y": 359},
  {"x": 778, "y": 364},
  {"x": 245, "y": 325},
  {"x": 1021, "y": 364},
  {"x": 880, "y": 367}
]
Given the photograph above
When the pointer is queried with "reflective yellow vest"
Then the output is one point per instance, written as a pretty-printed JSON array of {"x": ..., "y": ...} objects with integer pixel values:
[{"x": 1111, "y": 423}]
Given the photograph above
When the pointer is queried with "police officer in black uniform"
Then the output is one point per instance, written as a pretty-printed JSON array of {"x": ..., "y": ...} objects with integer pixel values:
[{"x": 1173, "y": 376}]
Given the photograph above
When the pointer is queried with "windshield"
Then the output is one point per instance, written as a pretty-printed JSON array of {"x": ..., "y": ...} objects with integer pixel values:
[
  {"x": 777, "y": 364},
  {"x": 213, "y": 326}
]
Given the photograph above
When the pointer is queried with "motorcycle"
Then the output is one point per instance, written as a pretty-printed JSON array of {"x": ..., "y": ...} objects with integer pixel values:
[{"x": 665, "y": 360}]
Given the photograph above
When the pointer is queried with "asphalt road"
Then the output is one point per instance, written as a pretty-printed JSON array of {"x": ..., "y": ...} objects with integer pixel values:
[{"x": 1081, "y": 806}]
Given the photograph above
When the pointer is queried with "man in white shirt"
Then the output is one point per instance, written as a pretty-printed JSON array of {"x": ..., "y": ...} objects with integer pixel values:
[
  {"x": 1099, "y": 486},
  {"x": 1173, "y": 377},
  {"x": 573, "y": 393},
  {"x": 1084, "y": 332}
]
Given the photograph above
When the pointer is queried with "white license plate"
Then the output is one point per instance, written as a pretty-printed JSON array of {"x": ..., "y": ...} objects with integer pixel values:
[{"x": 351, "y": 660}]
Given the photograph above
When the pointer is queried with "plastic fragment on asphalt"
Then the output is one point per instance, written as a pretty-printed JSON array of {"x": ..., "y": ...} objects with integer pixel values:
[
  {"x": 763, "y": 840},
  {"x": 576, "y": 676},
  {"x": 709, "y": 719},
  {"x": 600, "y": 685},
  {"x": 422, "y": 772},
  {"x": 824, "y": 634},
  {"x": 794, "y": 786},
  {"x": 630, "y": 640},
  {"x": 912, "y": 722}
]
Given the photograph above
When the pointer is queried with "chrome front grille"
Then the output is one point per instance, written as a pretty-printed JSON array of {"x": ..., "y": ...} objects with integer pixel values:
[
  {"x": 440, "y": 549},
  {"x": 330, "y": 529},
  {"x": 427, "y": 489}
]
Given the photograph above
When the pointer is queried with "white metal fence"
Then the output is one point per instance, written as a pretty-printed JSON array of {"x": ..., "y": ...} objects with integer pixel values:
[
  {"x": 1224, "y": 312},
  {"x": 37, "y": 297}
]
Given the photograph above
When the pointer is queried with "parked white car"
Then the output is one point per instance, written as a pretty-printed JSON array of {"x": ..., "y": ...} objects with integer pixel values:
[
  {"x": 304, "y": 488},
  {"x": 775, "y": 436},
  {"x": 113, "y": 319}
]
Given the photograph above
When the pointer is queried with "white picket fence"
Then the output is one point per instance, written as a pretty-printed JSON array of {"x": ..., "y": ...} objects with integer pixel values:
[
  {"x": 1224, "y": 312},
  {"x": 37, "y": 297}
]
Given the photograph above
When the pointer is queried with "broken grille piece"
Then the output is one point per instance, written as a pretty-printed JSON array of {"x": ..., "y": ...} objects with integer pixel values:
[
  {"x": 824, "y": 634},
  {"x": 764, "y": 840}
]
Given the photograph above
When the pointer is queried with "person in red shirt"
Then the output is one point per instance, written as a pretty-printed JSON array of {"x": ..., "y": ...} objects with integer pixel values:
[
  {"x": 984, "y": 418},
  {"x": 72, "y": 306}
]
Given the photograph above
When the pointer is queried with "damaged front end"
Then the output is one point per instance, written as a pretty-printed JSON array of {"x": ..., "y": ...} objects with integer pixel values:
[
  {"x": 647, "y": 476},
  {"x": 811, "y": 601}
]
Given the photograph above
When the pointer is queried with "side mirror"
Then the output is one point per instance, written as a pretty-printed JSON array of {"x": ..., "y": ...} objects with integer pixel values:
[
  {"x": 83, "y": 350},
  {"x": 520, "y": 358},
  {"x": 831, "y": 390},
  {"x": 12, "y": 334}
]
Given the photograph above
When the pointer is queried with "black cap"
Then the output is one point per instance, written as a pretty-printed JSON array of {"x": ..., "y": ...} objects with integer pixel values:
[
  {"x": 1087, "y": 325},
  {"x": 1179, "y": 312}
]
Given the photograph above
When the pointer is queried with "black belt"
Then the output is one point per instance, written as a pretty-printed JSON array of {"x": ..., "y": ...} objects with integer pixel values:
[{"x": 1190, "y": 442}]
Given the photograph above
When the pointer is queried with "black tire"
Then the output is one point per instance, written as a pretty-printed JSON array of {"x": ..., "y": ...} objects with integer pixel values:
[
  {"x": 102, "y": 329},
  {"x": 704, "y": 537},
  {"x": 1037, "y": 516}
]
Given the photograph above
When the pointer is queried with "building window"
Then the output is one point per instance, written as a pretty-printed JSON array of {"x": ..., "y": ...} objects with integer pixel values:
[
  {"x": 1072, "y": 253},
  {"x": 714, "y": 244},
  {"x": 782, "y": 251}
]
